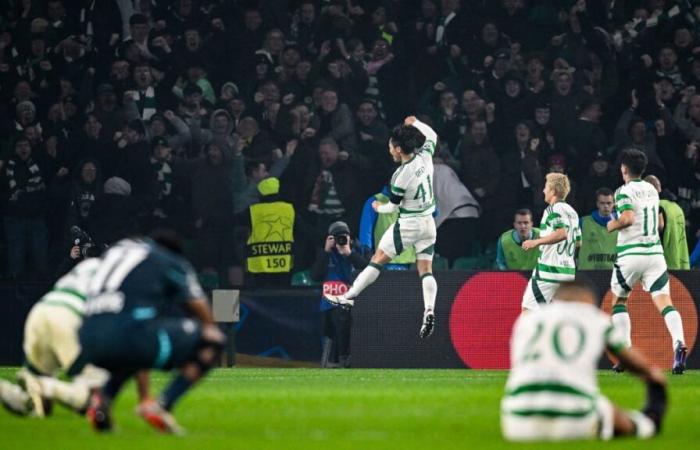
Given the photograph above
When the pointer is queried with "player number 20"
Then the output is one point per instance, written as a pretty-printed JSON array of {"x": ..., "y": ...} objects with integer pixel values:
[{"x": 533, "y": 350}]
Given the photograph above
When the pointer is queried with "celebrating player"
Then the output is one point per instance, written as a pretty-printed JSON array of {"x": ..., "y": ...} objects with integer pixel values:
[
  {"x": 559, "y": 236},
  {"x": 552, "y": 392},
  {"x": 640, "y": 255},
  {"x": 412, "y": 144},
  {"x": 130, "y": 324},
  {"x": 51, "y": 346}
]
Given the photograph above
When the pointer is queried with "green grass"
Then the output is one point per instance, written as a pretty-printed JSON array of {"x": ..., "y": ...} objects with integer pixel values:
[{"x": 339, "y": 409}]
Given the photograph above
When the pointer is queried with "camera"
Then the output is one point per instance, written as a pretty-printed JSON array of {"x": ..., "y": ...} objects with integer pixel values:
[
  {"x": 88, "y": 248},
  {"x": 341, "y": 239}
]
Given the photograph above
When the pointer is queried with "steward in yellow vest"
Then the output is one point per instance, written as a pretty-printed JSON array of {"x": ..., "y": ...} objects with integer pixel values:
[
  {"x": 597, "y": 245},
  {"x": 509, "y": 253},
  {"x": 671, "y": 228},
  {"x": 271, "y": 240},
  {"x": 673, "y": 236}
]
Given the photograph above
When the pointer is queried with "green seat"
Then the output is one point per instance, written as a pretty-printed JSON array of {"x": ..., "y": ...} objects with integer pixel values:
[
  {"x": 467, "y": 263},
  {"x": 475, "y": 249},
  {"x": 440, "y": 263},
  {"x": 488, "y": 261},
  {"x": 490, "y": 249},
  {"x": 303, "y": 278}
]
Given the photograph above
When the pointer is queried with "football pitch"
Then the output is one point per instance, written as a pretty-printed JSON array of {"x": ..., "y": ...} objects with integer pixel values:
[{"x": 267, "y": 408}]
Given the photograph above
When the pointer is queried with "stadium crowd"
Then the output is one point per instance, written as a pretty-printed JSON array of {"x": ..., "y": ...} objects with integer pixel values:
[{"x": 121, "y": 116}]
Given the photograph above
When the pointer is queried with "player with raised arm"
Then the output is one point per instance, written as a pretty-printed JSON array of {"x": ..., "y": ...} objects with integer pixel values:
[
  {"x": 411, "y": 193},
  {"x": 552, "y": 391},
  {"x": 559, "y": 236},
  {"x": 52, "y": 348},
  {"x": 134, "y": 320},
  {"x": 640, "y": 255}
]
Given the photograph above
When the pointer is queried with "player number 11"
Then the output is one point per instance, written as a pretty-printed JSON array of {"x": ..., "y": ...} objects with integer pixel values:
[{"x": 654, "y": 217}]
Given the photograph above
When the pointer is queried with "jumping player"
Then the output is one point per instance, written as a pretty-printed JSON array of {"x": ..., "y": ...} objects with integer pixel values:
[{"x": 411, "y": 193}]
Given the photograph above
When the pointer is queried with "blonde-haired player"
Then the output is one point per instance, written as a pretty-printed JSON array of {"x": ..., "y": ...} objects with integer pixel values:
[{"x": 559, "y": 236}]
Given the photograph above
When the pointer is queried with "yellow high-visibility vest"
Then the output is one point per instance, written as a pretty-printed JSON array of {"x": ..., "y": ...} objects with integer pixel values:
[{"x": 271, "y": 238}]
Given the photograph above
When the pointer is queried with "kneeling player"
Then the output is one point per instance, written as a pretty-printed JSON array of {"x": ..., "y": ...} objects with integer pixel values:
[
  {"x": 51, "y": 346},
  {"x": 552, "y": 392},
  {"x": 131, "y": 324}
]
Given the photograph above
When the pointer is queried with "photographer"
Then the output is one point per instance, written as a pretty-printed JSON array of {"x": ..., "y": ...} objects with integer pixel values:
[
  {"x": 334, "y": 266},
  {"x": 82, "y": 247}
]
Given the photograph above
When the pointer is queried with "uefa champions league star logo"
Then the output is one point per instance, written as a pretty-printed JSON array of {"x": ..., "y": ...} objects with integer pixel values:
[{"x": 275, "y": 228}]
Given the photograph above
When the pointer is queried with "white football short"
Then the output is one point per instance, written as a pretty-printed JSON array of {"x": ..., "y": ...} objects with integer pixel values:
[
  {"x": 538, "y": 293},
  {"x": 599, "y": 424},
  {"x": 651, "y": 270},
  {"x": 417, "y": 232},
  {"x": 51, "y": 338}
]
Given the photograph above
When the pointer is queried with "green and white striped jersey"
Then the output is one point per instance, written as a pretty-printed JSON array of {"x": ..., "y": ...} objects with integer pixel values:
[
  {"x": 70, "y": 291},
  {"x": 642, "y": 237},
  {"x": 554, "y": 358},
  {"x": 556, "y": 262},
  {"x": 413, "y": 180}
]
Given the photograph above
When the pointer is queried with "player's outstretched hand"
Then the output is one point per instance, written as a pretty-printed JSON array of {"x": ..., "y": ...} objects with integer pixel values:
[
  {"x": 530, "y": 244},
  {"x": 409, "y": 120}
]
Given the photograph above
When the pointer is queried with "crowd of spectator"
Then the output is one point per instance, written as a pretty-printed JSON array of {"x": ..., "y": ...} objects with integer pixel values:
[{"x": 119, "y": 116}]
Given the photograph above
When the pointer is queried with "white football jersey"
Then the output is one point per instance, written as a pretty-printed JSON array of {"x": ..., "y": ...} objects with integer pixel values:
[
  {"x": 642, "y": 237},
  {"x": 554, "y": 356},
  {"x": 70, "y": 290},
  {"x": 413, "y": 180},
  {"x": 556, "y": 262}
]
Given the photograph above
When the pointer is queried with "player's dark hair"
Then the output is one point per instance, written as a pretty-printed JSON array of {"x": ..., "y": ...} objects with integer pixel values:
[
  {"x": 168, "y": 239},
  {"x": 408, "y": 138},
  {"x": 635, "y": 161},
  {"x": 603, "y": 191}
]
